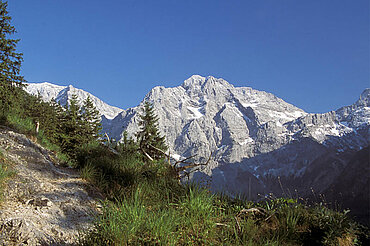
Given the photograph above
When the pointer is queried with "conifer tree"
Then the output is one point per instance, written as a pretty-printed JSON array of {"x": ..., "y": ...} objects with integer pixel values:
[
  {"x": 128, "y": 145},
  {"x": 52, "y": 125},
  {"x": 33, "y": 106},
  {"x": 91, "y": 119},
  {"x": 149, "y": 135},
  {"x": 58, "y": 112},
  {"x": 72, "y": 136},
  {"x": 80, "y": 124},
  {"x": 10, "y": 61}
]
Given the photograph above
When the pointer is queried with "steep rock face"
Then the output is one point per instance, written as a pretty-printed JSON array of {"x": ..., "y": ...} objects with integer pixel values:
[
  {"x": 357, "y": 115},
  {"x": 62, "y": 94}
]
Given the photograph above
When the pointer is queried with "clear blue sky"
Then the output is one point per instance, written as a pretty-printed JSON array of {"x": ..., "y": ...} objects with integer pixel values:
[{"x": 313, "y": 54}]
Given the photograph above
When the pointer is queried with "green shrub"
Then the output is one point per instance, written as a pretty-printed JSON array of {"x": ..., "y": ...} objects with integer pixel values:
[
  {"x": 89, "y": 172},
  {"x": 23, "y": 125},
  {"x": 326, "y": 226}
]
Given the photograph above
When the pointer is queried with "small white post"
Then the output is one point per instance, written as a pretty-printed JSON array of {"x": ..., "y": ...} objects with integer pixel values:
[{"x": 37, "y": 127}]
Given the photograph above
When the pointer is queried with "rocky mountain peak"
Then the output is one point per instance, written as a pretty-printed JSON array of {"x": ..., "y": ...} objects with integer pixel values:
[
  {"x": 193, "y": 81},
  {"x": 197, "y": 82},
  {"x": 71, "y": 87},
  {"x": 251, "y": 133},
  {"x": 357, "y": 115},
  {"x": 364, "y": 98}
]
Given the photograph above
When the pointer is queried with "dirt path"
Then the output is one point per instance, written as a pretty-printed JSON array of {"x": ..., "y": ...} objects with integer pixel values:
[{"x": 44, "y": 204}]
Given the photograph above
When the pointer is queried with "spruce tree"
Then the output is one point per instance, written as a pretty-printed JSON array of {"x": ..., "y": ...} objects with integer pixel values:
[
  {"x": 80, "y": 124},
  {"x": 72, "y": 135},
  {"x": 127, "y": 145},
  {"x": 149, "y": 135},
  {"x": 91, "y": 120},
  {"x": 56, "y": 118},
  {"x": 10, "y": 61}
]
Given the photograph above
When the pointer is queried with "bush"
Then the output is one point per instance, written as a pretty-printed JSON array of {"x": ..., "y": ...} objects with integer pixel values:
[{"x": 23, "y": 125}]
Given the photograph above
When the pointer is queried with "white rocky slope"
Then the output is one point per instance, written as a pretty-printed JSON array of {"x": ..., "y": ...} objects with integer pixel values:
[
  {"x": 255, "y": 137},
  {"x": 62, "y": 94}
]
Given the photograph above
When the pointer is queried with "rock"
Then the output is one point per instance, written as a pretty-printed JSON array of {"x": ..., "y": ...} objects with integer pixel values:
[
  {"x": 39, "y": 202},
  {"x": 16, "y": 231},
  {"x": 45, "y": 204}
]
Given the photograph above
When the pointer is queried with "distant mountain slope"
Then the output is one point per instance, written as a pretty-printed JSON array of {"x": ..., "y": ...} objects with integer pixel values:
[
  {"x": 353, "y": 186},
  {"x": 62, "y": 94}
]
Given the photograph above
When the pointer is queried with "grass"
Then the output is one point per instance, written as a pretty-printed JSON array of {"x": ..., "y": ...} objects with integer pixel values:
[
  {"x": 147, "y": 206},
  {"x": 23, "y": 125},
  {"x": 5, "y": 173},
  {"x": 131, "y": 222}
]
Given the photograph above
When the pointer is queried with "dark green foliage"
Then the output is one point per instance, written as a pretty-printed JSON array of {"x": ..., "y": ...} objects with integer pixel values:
[
  {"x": 77, "y": 125},
  {"x": 149, "y": 135},
  {"x": 10, "y": 62},
  {"x": 66, "y": 129},
  {"x": 128, "y": 146},
  {"x": 54, "y": 125},
  {"x": 48, "y": 115},
  {"x": 71, "y": 137},
  {"x": 90, "y": 120}
]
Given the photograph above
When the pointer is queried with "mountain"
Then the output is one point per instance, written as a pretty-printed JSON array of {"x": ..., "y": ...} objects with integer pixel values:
[
  {"x": 259, "y": 143},
  {"x": 62, "y": 94},
  {"x": 353, "y": 186}
]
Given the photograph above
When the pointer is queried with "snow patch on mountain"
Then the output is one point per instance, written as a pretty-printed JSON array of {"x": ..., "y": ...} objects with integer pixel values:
[{"x": 195, "y": 112}]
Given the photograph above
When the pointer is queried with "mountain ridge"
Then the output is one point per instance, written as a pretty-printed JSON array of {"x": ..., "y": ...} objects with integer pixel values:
[
  {"x": 62, "y": 94},
  {"x": 254, "y": 136}
]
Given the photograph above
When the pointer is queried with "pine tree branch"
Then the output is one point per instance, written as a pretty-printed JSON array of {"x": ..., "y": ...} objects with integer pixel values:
[
  {"x": 146, "y": 154},
  {"x": 188, "y": 165}
]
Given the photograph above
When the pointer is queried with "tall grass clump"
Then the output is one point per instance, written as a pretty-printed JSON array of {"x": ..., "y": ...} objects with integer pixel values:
[
  {"x": 130, "y": 222},
  {"x": 5, "y": 172},
  {"x": 198, "y": 209},
  {"x": 23, "y": 125}
]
